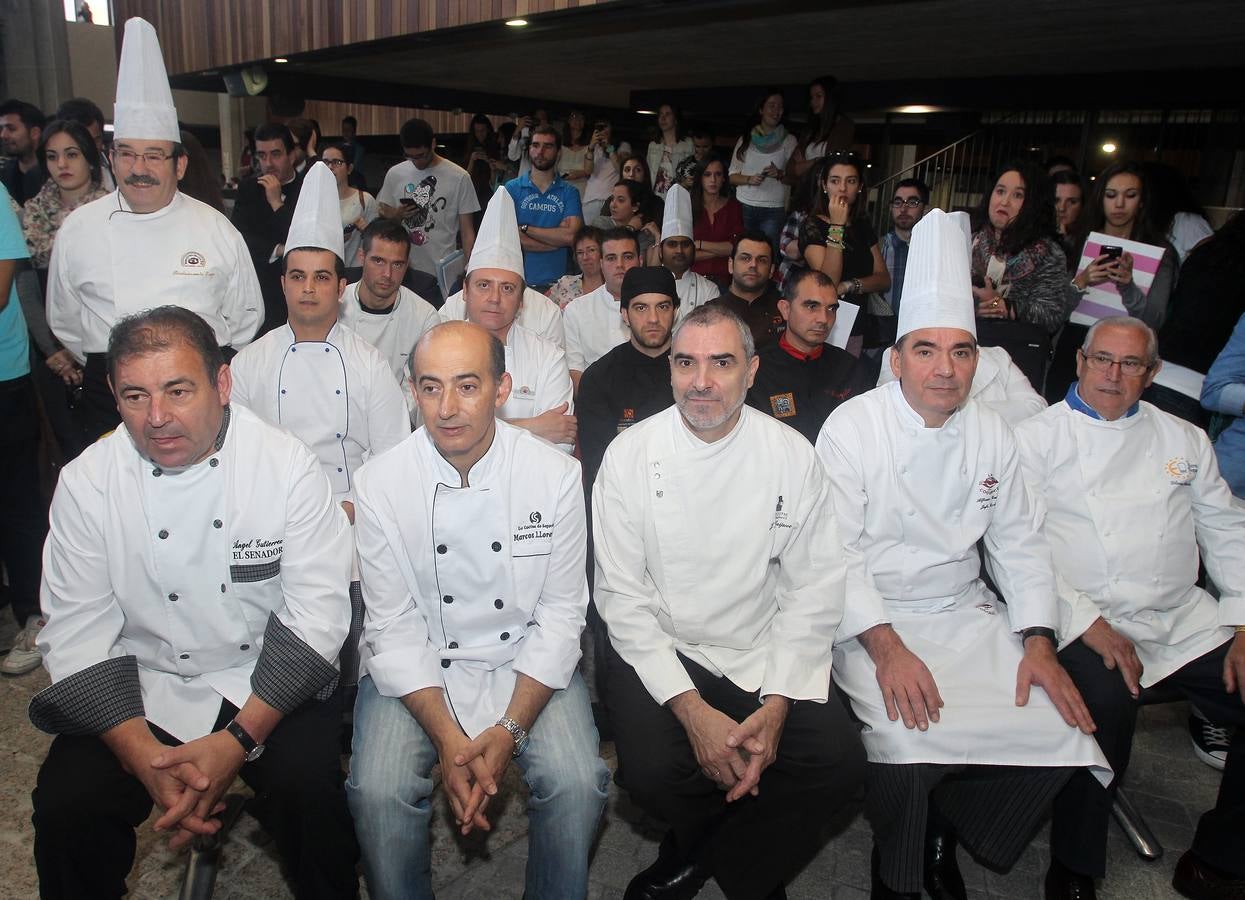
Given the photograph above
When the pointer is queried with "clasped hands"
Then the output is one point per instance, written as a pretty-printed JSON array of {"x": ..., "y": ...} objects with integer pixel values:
[
  {"x": 471, "y": 771},
  {"x": 732, "y": 754}
]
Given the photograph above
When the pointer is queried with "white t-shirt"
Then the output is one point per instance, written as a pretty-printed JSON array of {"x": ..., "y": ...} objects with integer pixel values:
[
  {"x": 431, "y": 200},
  {"x": 770, "y": 192}
]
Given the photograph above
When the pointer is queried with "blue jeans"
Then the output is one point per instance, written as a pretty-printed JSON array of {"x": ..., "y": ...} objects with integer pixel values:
[
  {"x": 768, "y": 219},
  {"x": 389, "y": 790}
]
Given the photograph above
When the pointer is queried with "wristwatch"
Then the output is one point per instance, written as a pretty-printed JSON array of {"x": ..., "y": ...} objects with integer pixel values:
[
  {"x": 1039, "y": 631},
  {"x": 524, "y": 228},
  {"x": 519, "y": 735},
  {"x": 250, "y": 746}
]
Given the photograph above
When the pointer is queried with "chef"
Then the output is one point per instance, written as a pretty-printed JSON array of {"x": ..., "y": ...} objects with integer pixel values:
[
  {"x": 632, "y": 381},
  {"x": 1129, "y": 495},
  {"x": 971, "y": 725},
  {"x": 313, "y": 376},
  {"x": 718, "y": 680},
  {"x": 678, "y": 251},
  {"x": 537, "y": 313},
  {"x": 378, "y": 307},
  {"x": 998, "y": 384},
  {"x": 146, "y": 243},
  {"x": 194, "y": 586},
  {"x": 594, "y": 324},
  {"x": 540, "y": 384},
  {"x": 471, "y": 544}
]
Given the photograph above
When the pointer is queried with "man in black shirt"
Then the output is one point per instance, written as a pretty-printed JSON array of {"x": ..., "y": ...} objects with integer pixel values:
[
  {"x": 21, "y": 127},
  {"x": 753, "y": 297},
  {"x": 802, "y": 378},
  {"x": 632, "y": 381}
]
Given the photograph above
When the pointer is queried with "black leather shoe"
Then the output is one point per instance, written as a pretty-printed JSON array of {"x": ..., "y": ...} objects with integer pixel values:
[
  {"x": 879, "y": 890},
  {"x": 943, "y": 880},
  {"x": 671, "y": 877},
  {"x": 1194, "y": 879},
  {"x": 1064, "y": 884}
]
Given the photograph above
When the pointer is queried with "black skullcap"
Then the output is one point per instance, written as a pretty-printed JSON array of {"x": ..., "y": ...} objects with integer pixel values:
[{"x": 648, "y": 280}]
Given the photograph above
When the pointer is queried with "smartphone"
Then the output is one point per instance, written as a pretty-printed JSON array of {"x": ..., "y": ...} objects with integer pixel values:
[{"x": 1111, "y": 252}]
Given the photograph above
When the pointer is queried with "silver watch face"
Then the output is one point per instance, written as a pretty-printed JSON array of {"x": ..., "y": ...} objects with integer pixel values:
[{"x": 256, "y": 753}]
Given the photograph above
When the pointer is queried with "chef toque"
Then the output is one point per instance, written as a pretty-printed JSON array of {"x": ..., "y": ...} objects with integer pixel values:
[
  {"x": 317, "y": 220},
  {"x": 677, "y": 221},
  {"x": 497, "y": 243},
  {"x": 938, "y": 282},
  {"x": 144, "y": 109}
]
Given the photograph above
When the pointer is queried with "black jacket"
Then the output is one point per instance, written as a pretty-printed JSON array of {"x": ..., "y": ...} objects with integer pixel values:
[{"x": 803, "y": 393}]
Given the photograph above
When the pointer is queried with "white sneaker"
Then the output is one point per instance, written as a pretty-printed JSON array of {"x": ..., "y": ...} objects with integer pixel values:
[
  {"x": 25, "y": 656},
  {"x": 1210, "y": 742}
]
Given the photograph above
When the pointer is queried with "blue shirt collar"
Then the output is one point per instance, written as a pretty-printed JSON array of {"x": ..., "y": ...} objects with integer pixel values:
[{"x": 1073, "y": 399}]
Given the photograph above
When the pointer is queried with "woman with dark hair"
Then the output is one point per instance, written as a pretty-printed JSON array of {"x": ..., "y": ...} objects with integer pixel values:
[
  {"x": 575, "y": 158},
  {"x": 201, "y": 180},
  {"x": 635, "y": 169},
  {"x": 1069, "y": 211},
  {"x": 482, "y": 160},
  {"x": 717, "y": 220},
  {"x": 1118, "y": 209},
  {"x": 358, "y": 208},
  {"x": 665, "y": 155},
  {"x": 627, "y": 211},
  {"x": 757, "y": 166},
  {"x": 1172, "y": 209},
  {"x": 71, "y": 164},
  {"x": 828, "y": 129},
  {"x": 604, "y": 162},
  {"x": 836, "y": 237},
  {"x": 1019, "y": 270}
]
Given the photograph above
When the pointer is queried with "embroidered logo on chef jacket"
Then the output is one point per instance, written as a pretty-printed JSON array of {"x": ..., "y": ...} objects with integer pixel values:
[
  {"x": 783, "y": 405},
  {"x": 988, "y": 492},
  {"x": 780, "y": 517},
  {"x": 193, "y": 263},
  {"x": 1181, "y": 471},
  {"x": 627, "y": 420},
  {"x": 257, "y": 549},
  {"x": 532, "y": 538}
]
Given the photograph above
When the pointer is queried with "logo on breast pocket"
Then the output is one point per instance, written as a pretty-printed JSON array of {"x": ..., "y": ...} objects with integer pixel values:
[
  {"x": 1180, "y": 470},
  {"x": 534, "y": 518},
  {"x": 988, "y": 492},
  {"x": 194, "y": 260},
  {"x": 783, "y": 405}
]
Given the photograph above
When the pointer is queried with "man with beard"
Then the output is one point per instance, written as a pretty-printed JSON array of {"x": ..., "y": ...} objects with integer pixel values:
[
  {"x": 594, "y": 324},
  {"x": 21, "y": 127},
  {"x": 146, "y": 243},
  {"x": 632, "y": 381},
  {"x": 719, "y": 623},
  {"x": 802, "y": 378},
  {"x": 678, "y": 252},
  {"x": 909, "y": 203},
  {"x": 549, "y": 211},
  {"x": 263, "y": 211},
  {"x": 753, "y": 297}
]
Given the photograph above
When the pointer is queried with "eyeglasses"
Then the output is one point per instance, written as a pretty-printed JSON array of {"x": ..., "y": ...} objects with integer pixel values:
[
  {"x": 127, "y": 157},
  {"x": 333, "y": 163},
  {"x": 911, "y": 203},
  {"x": 1102, "y": 362}
]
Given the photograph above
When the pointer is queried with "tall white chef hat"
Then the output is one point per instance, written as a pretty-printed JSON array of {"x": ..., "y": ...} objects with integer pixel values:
[
  {"x": 677, "y": 221},
  {"x": 317, "y": 220},
  {"x": 938, "y": 282},
  {"x": 497, "y": 244},
  {"x": 144, "y": 107}
]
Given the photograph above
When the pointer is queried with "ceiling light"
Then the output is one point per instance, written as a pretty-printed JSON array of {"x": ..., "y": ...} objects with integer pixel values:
[
  {"x": 646, "y": 112},
  {"x": 916, "y": 109},
  {"x": 516, "y": 23},
  {"x": 280, "y": 59},
  {"x": 1108, "y": 147}
]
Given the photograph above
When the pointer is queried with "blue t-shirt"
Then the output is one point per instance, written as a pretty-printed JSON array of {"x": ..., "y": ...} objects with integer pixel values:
[
  {"x": 14, "y": 344},
  {"x": 545, "y": 210}
]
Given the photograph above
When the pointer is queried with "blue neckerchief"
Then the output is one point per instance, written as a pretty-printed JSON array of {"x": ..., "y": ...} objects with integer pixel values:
[{"x": 1073, "y": 399}]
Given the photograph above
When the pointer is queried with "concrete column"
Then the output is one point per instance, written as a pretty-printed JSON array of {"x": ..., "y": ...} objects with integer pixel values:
[{"x": 36, "y": 53}]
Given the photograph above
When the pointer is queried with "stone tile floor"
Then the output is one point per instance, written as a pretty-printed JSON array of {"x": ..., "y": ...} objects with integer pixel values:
[{"x": 1167, "y": 784}]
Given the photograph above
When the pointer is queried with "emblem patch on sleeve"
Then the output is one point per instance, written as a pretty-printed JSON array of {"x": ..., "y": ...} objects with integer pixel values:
[{"x": 783, "y": 405}]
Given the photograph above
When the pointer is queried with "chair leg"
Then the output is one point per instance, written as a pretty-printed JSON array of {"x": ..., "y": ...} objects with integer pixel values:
[
  {"x": 1135, "y": 828},
  {"x": 204, "y": 862}
]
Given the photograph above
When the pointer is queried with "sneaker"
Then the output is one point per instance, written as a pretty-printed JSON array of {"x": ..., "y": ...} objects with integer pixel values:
[
  {"x": 25, "y": 656},
  {"x": 1210, "y": 742}
]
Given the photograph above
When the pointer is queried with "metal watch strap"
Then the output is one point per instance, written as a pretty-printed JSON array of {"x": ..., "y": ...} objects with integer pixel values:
[
  {"x": 516, "y": 732},
  {"x": 1039, "y": 631},
  {"x": 251, "y": 747}
]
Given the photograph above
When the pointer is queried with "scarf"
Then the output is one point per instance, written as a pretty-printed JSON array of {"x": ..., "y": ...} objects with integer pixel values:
[
  {"x": 42, "y": 218},
  {"x": 1016, "y": 266},
  {"x": 768, "y": 143}
]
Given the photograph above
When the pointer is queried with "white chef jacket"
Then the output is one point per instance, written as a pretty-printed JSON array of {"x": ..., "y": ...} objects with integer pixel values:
[
  {"x": 337, "y": 396},
  {"x": 537, "y": 313},
  {"x": 594, "y": 327},
  {"x": 182, "y": 568},
  {"x": 725, "y": 552},
  {"x": 694, "y": 290},
  {"x": 998, "y": 384},
  {"x": 1125, "y": 506},
  {"x": 915, "y": 501},
  {"x": 467, "y": 585},
  {"x": 395, "y": 333},
  {"x": 539, "y": 376},
  {"x": 108, "y": 262}
]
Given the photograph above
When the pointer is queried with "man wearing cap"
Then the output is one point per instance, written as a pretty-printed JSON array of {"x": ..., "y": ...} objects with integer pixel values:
[
  {"x": 921, "y": 474},
  {"x": 313, "y": 376},
  {"x": 195, "y": 592},
  {"x": 471, "y": 542},
  {"x": 540, "y": 397},
  {"x": 678, "y": 251},
  {"x": 146, "y": 243},
  {"x": 803, "y": 377},
  {"x": 1131, "y": 501},
  {"x": 594, "y": 324},
  {"x": 718, "y": 680},
  {"x": 632, "y": 381}
]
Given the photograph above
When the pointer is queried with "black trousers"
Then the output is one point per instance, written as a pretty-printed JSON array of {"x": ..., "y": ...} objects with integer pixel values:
[
  {"x": 96, "y": 407},
  {"x": 23, "y": 515},
  {"x": 756, "y": 843},
  {"x": 1082, "y": 811},
  {"x": 86, "y": 808}
]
